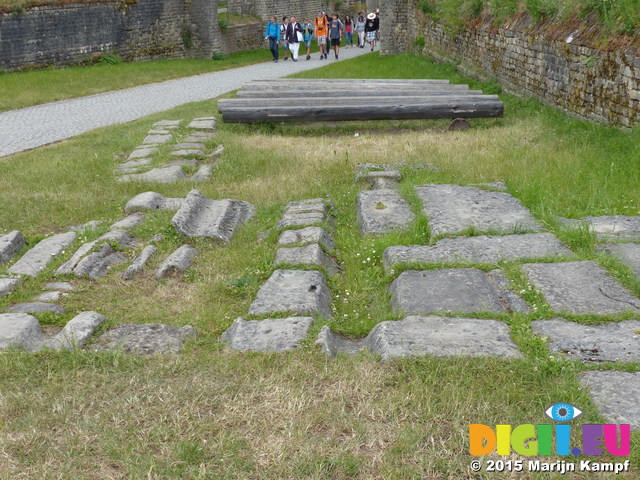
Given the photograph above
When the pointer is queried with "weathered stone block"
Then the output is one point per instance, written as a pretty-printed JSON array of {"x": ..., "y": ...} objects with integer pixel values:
[
  {"x": 307, "y": 235},
  {"x": 611, "y": 227},
  {"x": 382, "y": 211},
  {"x": 616, "y": 395},
  {"x": 19, "y": 330},
  {"x": 156, "y": 175},
  {"x": 77, "y": 332},
  {"x": 42, "y": 254},
  {"x": 271, "y": 335},
  {"x": 627, "y": 253},
  {"x": 178, "y": 261},
  {"x": 152, "y": 201},
  {"x": 139, "y": 262},
  {"x": 10, "y": 244},
  {"x": 310, "y": 255},
  {"x": 146, "y": 339},
  {"x": 36, "y": 307}
]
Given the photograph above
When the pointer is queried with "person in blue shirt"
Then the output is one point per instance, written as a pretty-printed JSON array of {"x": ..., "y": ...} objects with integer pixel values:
[
  {"x": 273, "y": 35},
  {"x": 307, "y": 36}
]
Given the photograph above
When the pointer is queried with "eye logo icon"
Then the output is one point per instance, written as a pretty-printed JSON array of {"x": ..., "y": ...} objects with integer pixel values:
[{"x": 563, "y": 412}]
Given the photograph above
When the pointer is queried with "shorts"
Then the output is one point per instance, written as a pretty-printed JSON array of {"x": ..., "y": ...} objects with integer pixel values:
[
  {"x": 285, "y": 45},
  {"x": 322, "y": 39},
  {"x": 371, "y": 36},
  {"x": 307, "y": 43},
  {"x": 335, "y": 42}
]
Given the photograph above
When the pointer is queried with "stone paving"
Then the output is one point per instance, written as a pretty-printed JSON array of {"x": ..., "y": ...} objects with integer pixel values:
[{"x": 33, "y": 127}]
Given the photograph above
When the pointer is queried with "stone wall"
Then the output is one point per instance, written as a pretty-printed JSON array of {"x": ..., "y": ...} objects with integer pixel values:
[
  {"x": 143, "y": 30},
  {"x": 559, "y": 68},
  {"x": 243, "y": 37}
]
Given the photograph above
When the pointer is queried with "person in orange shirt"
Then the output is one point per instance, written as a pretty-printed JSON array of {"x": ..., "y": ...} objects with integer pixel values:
[{"x": 320, "y": 26}]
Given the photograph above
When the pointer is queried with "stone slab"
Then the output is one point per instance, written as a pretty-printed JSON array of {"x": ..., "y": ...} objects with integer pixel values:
[
  {"x": 167, "y": 123},
  {"x": 627, "y": 253},
  {"x": 203, "y": 174},
  {"x": 188, "y": 152},
  {"x": 97, "y": 264},
  {"x": 609, "y": 227},
  {"x": 178, "y": 261},
  {"x": 293, "y": 291},
  {"x": 134, "y": 164},
  {"x": 200, "y": 216},
  {"x": 10, "y": 244},
  {"x": 580, "y": 288},
  {"x": 8, "y": 285},
  {"x": 61, "y": 286},
  {"x": 146, "y": 339},
  {"x": 88, "y": 227},
  {"x": 121, "y": 238},
  {"x": 616, "y": 395},
  {"x": 318, "y": 205},
  {"x": 202, "y": 123},
  {"x": 156, "y": 175},
  {"x": 36, "y": 307},
  {"x": 309, "y": 255},
  {"x": 383, "y": 211},
  {"x": 196, "y": 138},
  {"x": 189, "y": 145},
  {"x": 152, "y": 201},
  {"x": 36, "y": 259},
  {"x": 52, "y": 296},
  {"x": 219, "y": 150},
  {"x": 481, "y": 249},
  {"x": 305, "y": 236},
  {"x": 129, "y": 222},
  {"x": 452, "y": 209},
  {"x": 142, "y": 152},
  {"x": 592, "y": 343},
  {"x": 77, "y": 332},
  {"x": 271, "y": 335},
  {"x": 139, "y": 262},
  {"x": 364, "y": 169},
  {"x": 456, "y": 290},
  {"x": 184, "y": 162},
  {"x": 157, "y": 139},
  {"x": 304, "y": 219},
  {"x": 383, "y": 183},
  {"x": 67, "y": 267},
  {"x": 432, "y": 335},
  {"x": 19, "y": 330}
]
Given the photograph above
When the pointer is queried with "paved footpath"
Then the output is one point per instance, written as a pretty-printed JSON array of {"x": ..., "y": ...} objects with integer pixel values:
[{"x": 33, "y": 127}]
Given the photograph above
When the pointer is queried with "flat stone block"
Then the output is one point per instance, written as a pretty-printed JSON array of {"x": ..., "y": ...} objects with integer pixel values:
[
  {"x": 146, "y": 339},
  {"x": 134, "y": 164},
  {"x": 188, "y": 152},
  {"x": 627, "y": 253},
  {"x": 616, "y": 395},
  {"x": 383, "y": 183},
  {"x": 36, "y": 307},
  {"x": 20, "y": 330},
  {"x": 139, "y": 262},
  {"x": 96, "y": 265},
  {"x": 203, "y": 174},
  {"x": 10, "y": 244},
  {"x": 382, "y": 211},
  {"x": 61, "y": 286},
  {"x": 157, "y": 139},
  {"x": 219, "y": 150},
  {"x": 293, "y": 291},
  {"x": 452, "y": 209},
  {"x": 184, "y": 162},
  {"x": 142, "y": 152},
  {"x": 432, "y": 335},
  {"x": 456, "y": 290},
  {"x": 580, "y": 288},
  {"x": 77, "y": 332},
  {"x": 156, "y": 175},
  {"x": 310, "y": 255},
  {"x": 129, "y": 222},
  {"x": 307, "y": 235},
  {"x": 304, "y": 219},
  {"x": 197, "y": 137},
  {"x": 42, "y": 254},
  {"x": 52, "y": 296},
  {"x": 200, "y": 216},
  {"x": 122, "y": 238},
  {"x": 271, "y": 335},
  {"x": 609, "y": 227},
  {"x": 592, "y": 343},
  {"x": 203, "y": 123},
  {"x": 8, "y": 285},
  {"x": 189, "y": 145},
  {"x": 318, "y": 205},
  {"x": 178, "y": 261},
  {"x": 152, "y": 201},
  {"x": 480, "y": 249}
]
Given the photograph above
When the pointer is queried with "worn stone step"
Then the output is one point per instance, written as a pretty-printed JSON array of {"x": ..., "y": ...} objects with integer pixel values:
[
  {"x": 298, "y": 292},
  {"x": 142, "y": 151},
  {"x": 10, "y": 245},
  {"x": 188, "y": 152},
  {"x": 382, "y": 211},
  {"x": 611, "y": 342},
  {"x": 97, "y": 264},
  {"x": 305, "y": 236},
  {"x": 134, "y": 164},
  {"x": 303, "y": 213},
  {"x": 40, "y": 256},
  {"x": 205, "y": 123},
  {"x": 121, "y": 238},
  {"x": 431, "y": 335},
  {"x": 616, "y": 395},
  {"x": 8, "y": 285},
  {"x": 52, "y": 296},
  {"x": 627, "y": 253},
  {"x": 481, "y": 249},
  {"x": 77, "y": 332},
  {"x": 145, "y": 339},
  {"x": 129, "y": 222},
  {"x": 157, "y": 139},
  {"x": 310, "y": 255},
  {"x": 200, "y": 216},
  {"x": 609, "y": 227},
  {"x": 36, "y": 307},
  {"x": 152, "y": 201},
  {"x": 271, "y": 335},
  {"x": 156, "y": 175},
  {"x": 456, "y": 290},
  {"x": 177, "y": 262},
  {"x": 452, "y": 209},
  {"x": 203, "y": 174},
  {"x": 139, "y": 262},
  {"x": 580, "y": 288},
  {"x": 20, "y": 330}
]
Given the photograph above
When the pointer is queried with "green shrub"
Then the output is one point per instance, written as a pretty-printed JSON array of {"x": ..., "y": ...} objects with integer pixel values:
[
  {"x": 426, "y": 7},
  {"x": 224, "y": 25},
  {"x": 218, "y": 56},
  {"x": 419, "y": 42},
  {"x": 111, "y": 59},
  {"x": 187, "y": 36}
]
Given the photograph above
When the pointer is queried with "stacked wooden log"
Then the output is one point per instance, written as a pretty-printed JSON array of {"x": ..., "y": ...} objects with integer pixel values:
[{"x": 313, "y": 100}]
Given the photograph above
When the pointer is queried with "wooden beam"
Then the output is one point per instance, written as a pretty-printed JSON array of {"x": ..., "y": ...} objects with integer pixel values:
[
  {"x": 332, "y": 85},
  {"x": 348, "y": 93}
]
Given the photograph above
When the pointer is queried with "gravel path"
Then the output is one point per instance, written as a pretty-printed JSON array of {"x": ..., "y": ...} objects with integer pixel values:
[{"x": 33, "y": 127}]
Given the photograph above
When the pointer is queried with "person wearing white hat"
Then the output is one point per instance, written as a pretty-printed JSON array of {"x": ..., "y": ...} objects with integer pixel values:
[{"x": 370, "y": 30}]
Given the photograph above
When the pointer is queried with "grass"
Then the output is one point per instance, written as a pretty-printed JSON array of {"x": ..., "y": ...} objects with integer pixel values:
[{"x": 213, "y": 413}]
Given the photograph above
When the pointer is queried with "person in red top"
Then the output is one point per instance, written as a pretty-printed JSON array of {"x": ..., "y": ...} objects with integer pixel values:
[
  {"x": 320, "y": 27},
  {"x": 348, "y": 31}
]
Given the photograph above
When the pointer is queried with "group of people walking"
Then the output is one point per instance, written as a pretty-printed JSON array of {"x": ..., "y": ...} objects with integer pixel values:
[{"x": 328, "y": 32}]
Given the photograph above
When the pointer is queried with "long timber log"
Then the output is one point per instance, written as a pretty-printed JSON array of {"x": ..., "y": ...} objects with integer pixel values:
[
  {"x": 223, "y": 104},
  {"x": 394, "y": 81},
  {"x": 349, "y": 93},
  {"x": 329, "y": 86},
  {"x": 425, "y": 110}
]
